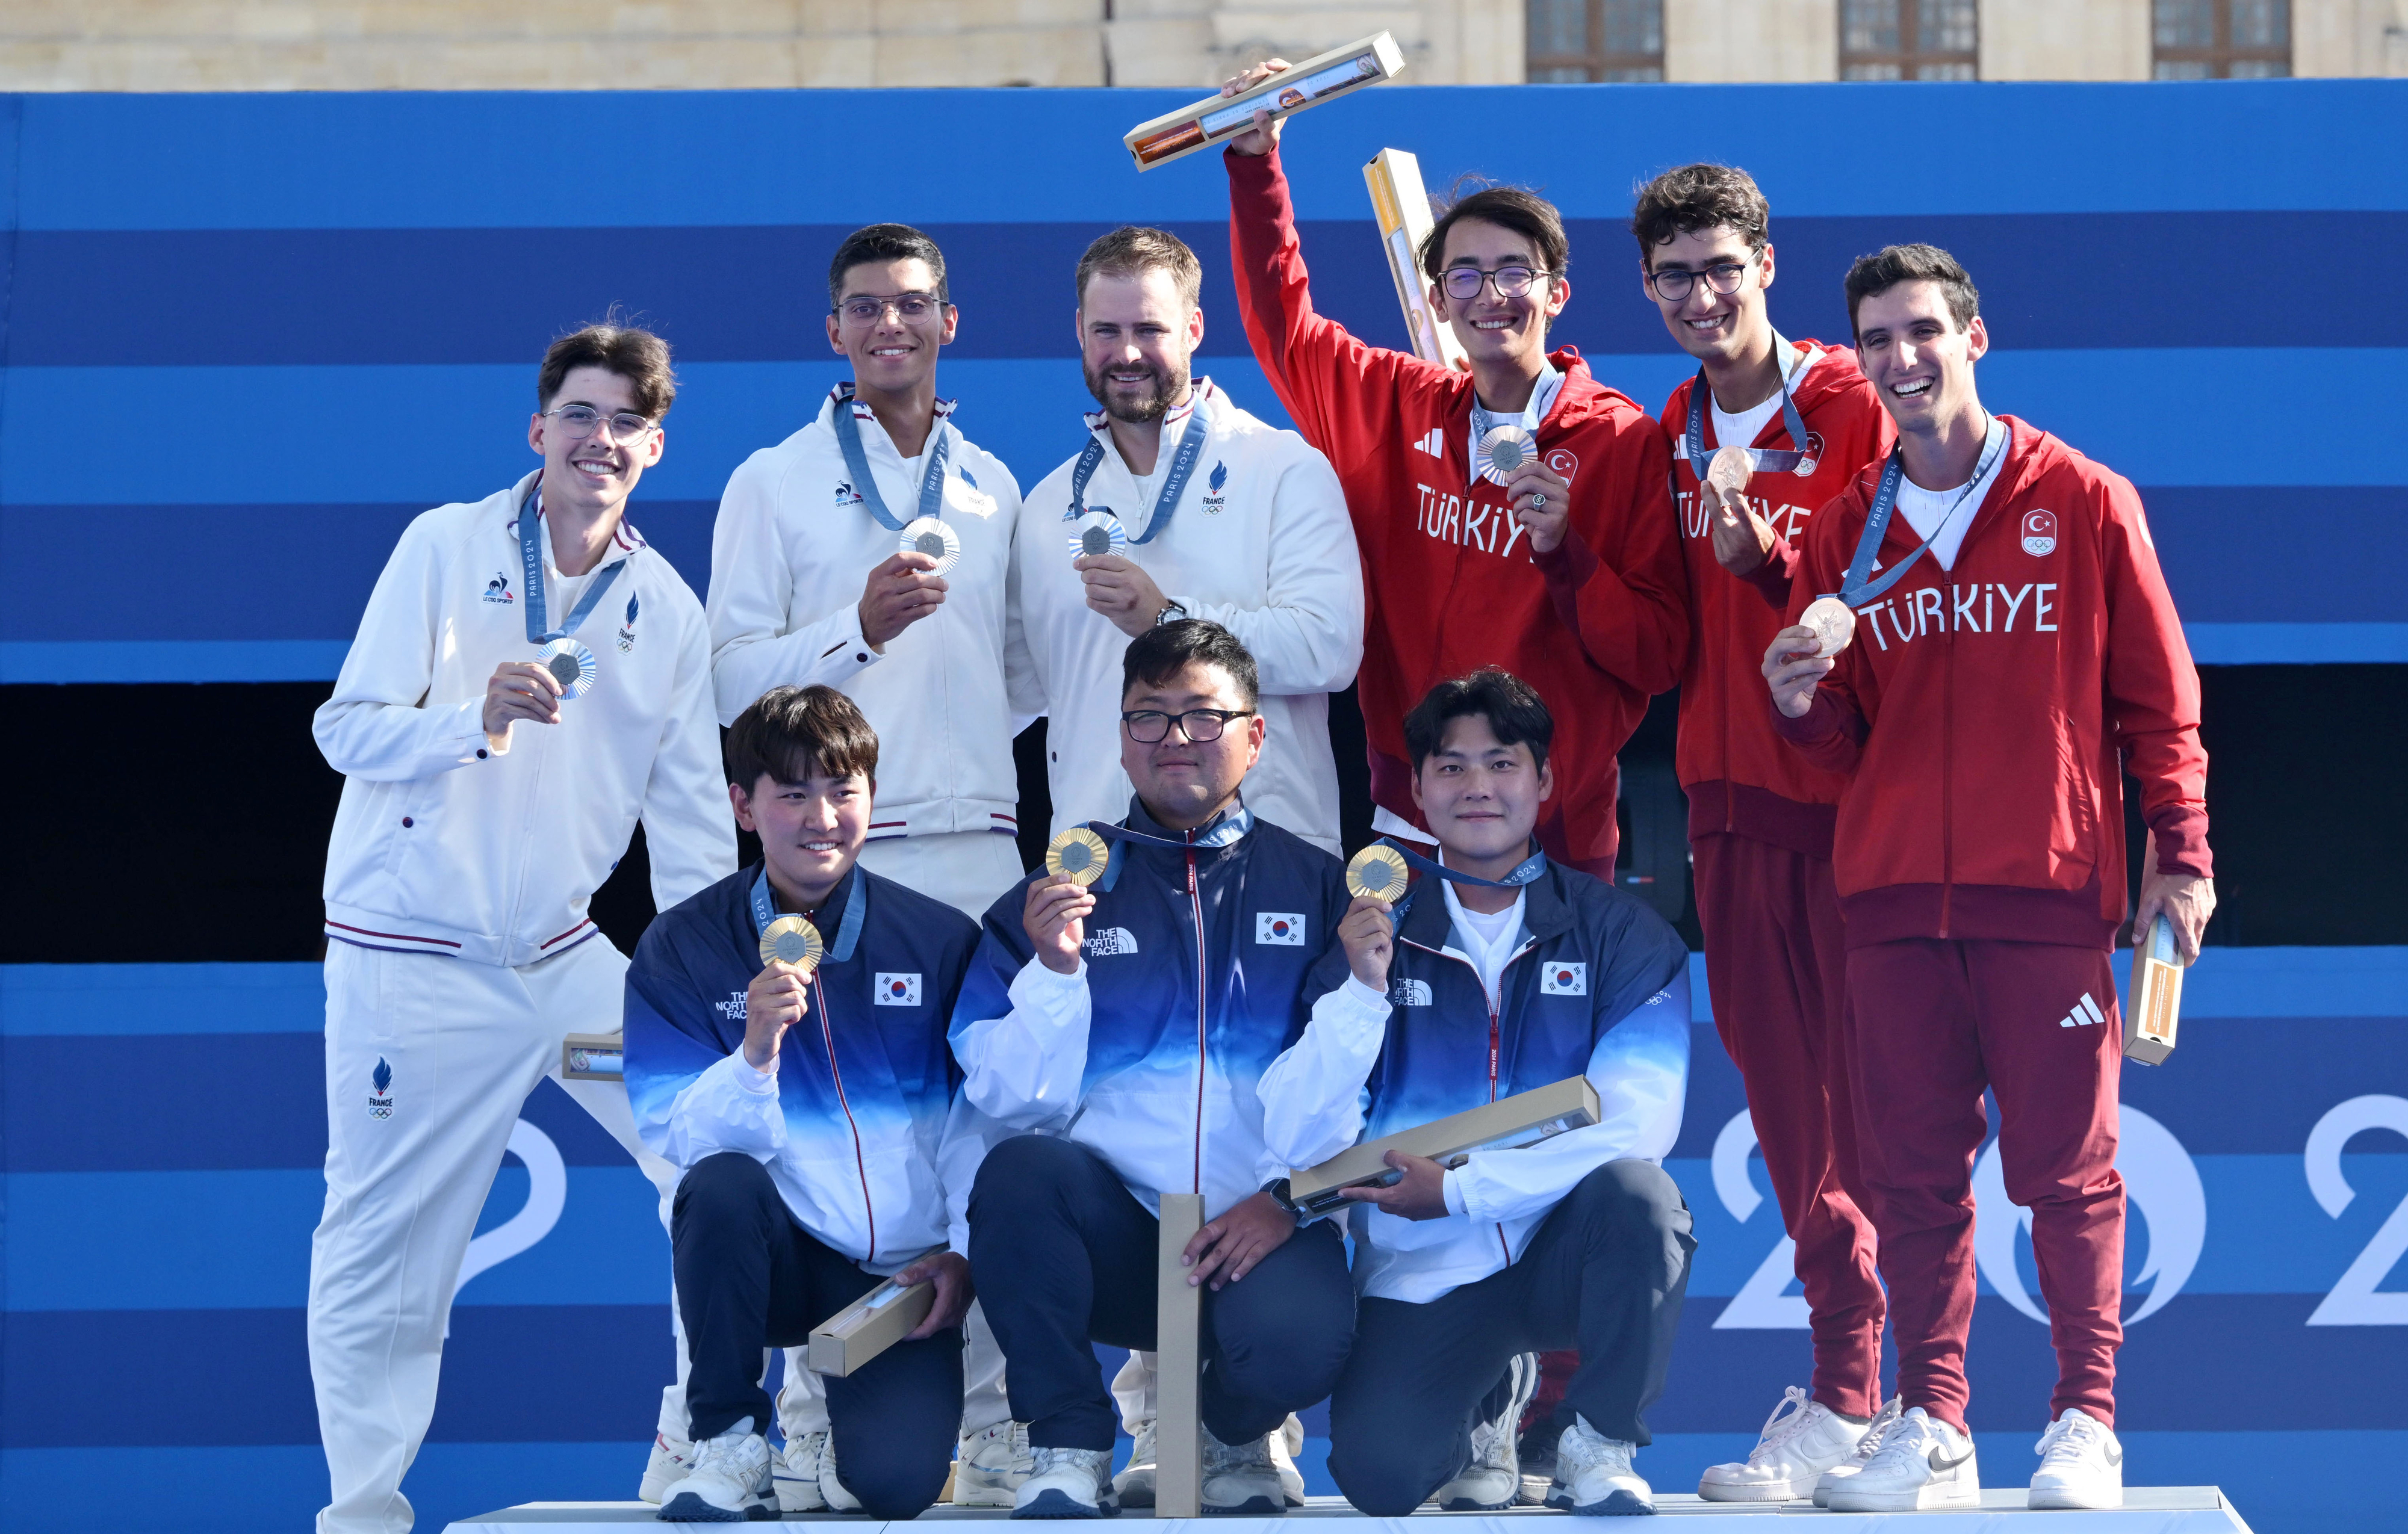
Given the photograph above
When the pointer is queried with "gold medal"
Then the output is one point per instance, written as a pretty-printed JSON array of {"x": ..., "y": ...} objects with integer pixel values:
[
  {"x": 1078, "y": 854},
  {"x": 794, "y": 940},
  {"x": 1834, "y": 623},
  {"x": 1730, "y": 472},
  {"x": 1378, "y": 871}
]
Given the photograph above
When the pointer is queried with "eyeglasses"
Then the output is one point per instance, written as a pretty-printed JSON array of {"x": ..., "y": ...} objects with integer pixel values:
[
  {"x": 579, "y": 421},
  {"x": 1675, "y": 283},
  {"x": 1464, "y": 283},
  {"x": 1201, "y": 726},
  {"x": 912, "y": 309}
]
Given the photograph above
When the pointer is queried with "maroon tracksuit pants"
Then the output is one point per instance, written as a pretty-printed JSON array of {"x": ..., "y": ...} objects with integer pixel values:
[
  {"x": 1776, "y": 969},
  {"x": 1937, "y": 1020}
]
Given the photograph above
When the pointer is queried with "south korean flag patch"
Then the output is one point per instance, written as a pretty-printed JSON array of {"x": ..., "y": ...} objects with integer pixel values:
[
  {"x": 895, "y": 990},
  {"x": 1558, "y": 978},
  {"x": 1285, "y": 929}
]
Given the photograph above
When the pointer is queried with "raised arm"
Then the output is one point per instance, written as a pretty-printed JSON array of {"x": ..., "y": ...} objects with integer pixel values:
[{"x": 1020, "y": 1029}]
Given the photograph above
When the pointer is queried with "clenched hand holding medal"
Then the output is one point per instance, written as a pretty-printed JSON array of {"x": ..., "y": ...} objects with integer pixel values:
[
  {"x": 1540, "y": 498},
  {"x": 562, "y": 668}
]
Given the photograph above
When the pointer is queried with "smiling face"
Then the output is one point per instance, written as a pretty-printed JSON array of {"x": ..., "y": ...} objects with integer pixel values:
[
  {"x": 1185, "y": 783},
  {"x": 810, "y": 832},
  {"x": 1494, "y": 329},
  {"x": 595, "y": 473},
  {"x": 1136, "y": 334},
  {"x": 1481, "y": 796},
  {"x": 1710, "y": 326},
  {"x": 891, "y": 354},
  {"x": 1917, "y": 359}
]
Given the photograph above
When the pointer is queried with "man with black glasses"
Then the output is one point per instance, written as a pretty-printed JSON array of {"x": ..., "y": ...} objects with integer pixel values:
[{"x": 870, "y": 552}]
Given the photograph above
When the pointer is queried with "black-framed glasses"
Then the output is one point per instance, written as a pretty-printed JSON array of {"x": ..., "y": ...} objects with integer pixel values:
[
  {"x": 579, "y": 421},
  {"x": 1463, "y": 283},
  {"x": 912, "y": 309},
  {"x": 1202, "y": 726},
  {"x": 1675, "y": 283}
]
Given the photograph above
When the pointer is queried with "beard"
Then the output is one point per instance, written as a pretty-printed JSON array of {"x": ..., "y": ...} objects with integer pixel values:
[{"x": 1147, "y": 403}]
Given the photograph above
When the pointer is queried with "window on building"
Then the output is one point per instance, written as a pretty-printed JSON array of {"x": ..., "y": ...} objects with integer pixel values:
[
  {"x": 1909, "y": 40},
  {"x": 2223, "y": 39},
  {"x": 1570, "y": 41}
]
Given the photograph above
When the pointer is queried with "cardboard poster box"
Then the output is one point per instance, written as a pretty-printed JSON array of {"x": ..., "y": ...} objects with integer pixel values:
[
  {"x": 1568, "y": 1104},
  {"x": 1216, "y": 119},
  {"x": 869, "y": 1327},
  {"x": 1179, "y": 1324}
]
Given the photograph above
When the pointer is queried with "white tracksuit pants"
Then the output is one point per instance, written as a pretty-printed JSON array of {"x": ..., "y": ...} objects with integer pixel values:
[{"x": 409, "y": 1163}]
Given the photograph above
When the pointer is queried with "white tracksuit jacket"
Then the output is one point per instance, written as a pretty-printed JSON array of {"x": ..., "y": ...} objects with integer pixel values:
[
  {"x": 788, "y": 556},
  {"x": 1260, "y": 544},
  {"x": 441, "y": 847}
]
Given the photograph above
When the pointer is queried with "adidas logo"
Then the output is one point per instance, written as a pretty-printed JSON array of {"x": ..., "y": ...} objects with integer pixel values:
[
  {"x": 2085, "y": 1012},
  {"x": 1434, "y": 443}
]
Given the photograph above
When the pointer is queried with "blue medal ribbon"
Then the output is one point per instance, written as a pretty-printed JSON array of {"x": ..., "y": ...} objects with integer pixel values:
[
  {"x": 531, "y": 562},
  {"x": 1767, "y": 459},
  {"x": 848, "y": 927},
  {"x": 1484, "y": 420},
  {"x": 1854, "y": 589},
  {"x": 1231, "y": 827},
  {"x": 1182, "y": 467},
  {"x": 856, "y": 464},
  {"x": 1525, "y": 871}
]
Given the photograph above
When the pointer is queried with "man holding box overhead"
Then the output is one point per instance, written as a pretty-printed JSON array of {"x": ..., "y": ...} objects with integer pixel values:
[
  {"x": 1988, "y": 700},
  {"x": 1121, "y": 1007},
  {"x": 1491, "y": 507},
  {"x": 786, "y": 1051},
  {"x": 1501, "y": 972}
]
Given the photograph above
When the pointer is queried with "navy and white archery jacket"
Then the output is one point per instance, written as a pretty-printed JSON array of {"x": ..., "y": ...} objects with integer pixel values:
[
  {"x": 1193, "y": 980},
  {"x": 858, "y": 1118},
  {"x": 1597, "y": 985}
]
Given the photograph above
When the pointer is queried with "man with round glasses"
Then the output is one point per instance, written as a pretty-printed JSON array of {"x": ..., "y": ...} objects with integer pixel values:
[
  {"x": 1468, "y": 555},
  {"x": 529, "y": 681},
  {"x": 1181, "y": 504},
  {"x": 1761, "y": 814},
  {"x": 820, "y": 575}
]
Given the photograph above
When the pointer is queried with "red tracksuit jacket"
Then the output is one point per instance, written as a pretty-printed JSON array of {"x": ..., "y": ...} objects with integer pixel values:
[
  {"x": 1989, "y": 712},
  {"x": 1739, "y": 775},
  {"x": 1450, "y": 581}
]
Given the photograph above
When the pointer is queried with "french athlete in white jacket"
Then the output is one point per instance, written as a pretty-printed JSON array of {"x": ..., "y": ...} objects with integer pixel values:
[
  {"x": 1250, "y": 534},
  {"x": 481, "y": 808},
  {"x": 807, "y": 586}
]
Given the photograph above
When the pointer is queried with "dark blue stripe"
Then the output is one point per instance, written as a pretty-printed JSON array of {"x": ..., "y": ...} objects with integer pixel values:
[{"x": 247, "y": 297}]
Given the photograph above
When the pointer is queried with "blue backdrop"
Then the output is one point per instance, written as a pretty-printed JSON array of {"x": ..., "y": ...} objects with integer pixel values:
[{"x": 248, "y": 337}]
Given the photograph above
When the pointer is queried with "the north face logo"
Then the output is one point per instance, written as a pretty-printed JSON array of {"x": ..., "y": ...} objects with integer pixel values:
[
  {"x": 1409, "y": 993},
  {"x": 1112, "y": 940}
]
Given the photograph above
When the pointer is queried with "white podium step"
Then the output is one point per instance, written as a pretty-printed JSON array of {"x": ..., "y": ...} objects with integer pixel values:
[{"x": 2147, "y": 1510}]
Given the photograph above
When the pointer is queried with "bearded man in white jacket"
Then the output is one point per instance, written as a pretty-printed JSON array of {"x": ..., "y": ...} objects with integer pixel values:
[{"x": 529, "y": 680}]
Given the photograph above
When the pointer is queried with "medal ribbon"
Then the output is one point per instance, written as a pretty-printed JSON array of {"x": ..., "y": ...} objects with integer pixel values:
[
  {"x": 531, "y": 561},
  {"x": 1853, "y": 588},
  {"x": 857, "y": 462},
  {"x": 1484, "y": 420},
  {"x": 1183, "y": 466},
  {"x": 1230, "y": 828},
  {"x": 1525, "y": 871},
  {"x": 848, "y": 927},
  {"x": 1767, "y": 459}
]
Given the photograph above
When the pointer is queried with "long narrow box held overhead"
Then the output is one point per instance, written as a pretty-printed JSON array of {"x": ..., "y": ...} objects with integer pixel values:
[
  {"x": 869, "y": 1327},
  {"x": 1216, "y": 119},
  {"x": 1568, "y": 1104},
  {"x": 1400, "y": 204}
]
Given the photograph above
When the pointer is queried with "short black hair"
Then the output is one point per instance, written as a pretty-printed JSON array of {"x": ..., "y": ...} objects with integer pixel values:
[
  {"x": 1892, "y": 264},
  {"x": 1517, "y": 209},
  {"x": 1516, "y": 713},
  {"x": 791, "y": 732},
  {"x": 1165, "y": 651},
  {"x": 884, "y": 242}
]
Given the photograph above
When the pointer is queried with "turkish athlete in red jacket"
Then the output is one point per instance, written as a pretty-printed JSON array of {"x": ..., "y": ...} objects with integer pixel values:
[
  {"x": 1461, "y": 571},
  {"x": 1997, "y": 689},
  {"x": 1761, "y": 814}
]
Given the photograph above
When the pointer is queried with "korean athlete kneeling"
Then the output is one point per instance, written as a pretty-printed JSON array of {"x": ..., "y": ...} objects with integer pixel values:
[
  {"x": 1498, "y": 973},
  {"x": 786, "y": 1050}
]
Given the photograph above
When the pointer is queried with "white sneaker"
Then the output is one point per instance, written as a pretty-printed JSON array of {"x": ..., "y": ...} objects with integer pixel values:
[
  {"x": 1134, "y": 1485},
  {"x": 1287, "y": 1443},
  {"x": 1492, "y": 1481},
  {"x": 672, "y": 1457},
  {"x": 831, "y": 1490},
  {"x": 1067, "y": 1484},
  {"x": 1882, "y": 1421},
  {"x": 2080, "y": 1463},
  {"x": 796, "y": 1473},
  {"x": 1241, "y": 1478},
  {"x": 1801, "y": 1440},
  {"x": 729, "y": 1483},
  {"x": 1922, "y": 1463},
  {"x": 1592, "y": 1475},
  {"x": 990, "y": 1465}
]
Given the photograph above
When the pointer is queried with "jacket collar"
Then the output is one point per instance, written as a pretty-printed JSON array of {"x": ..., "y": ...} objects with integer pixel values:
[
  {"x": 1224, "y": 829},
  {"x": 1545, "y": 911},
  {"x": 838, "y": 918}
]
